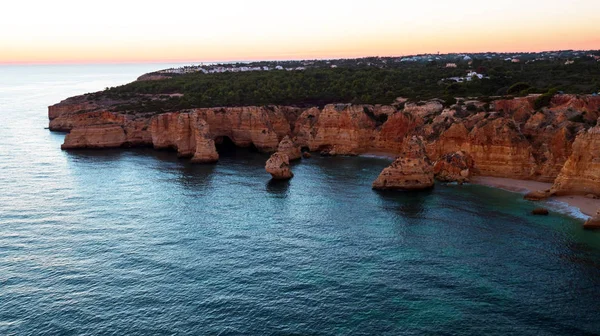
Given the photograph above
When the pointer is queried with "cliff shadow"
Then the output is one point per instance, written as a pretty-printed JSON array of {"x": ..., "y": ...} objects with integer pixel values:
[
  {"x": 409, "y": 204},
  {"x": 194, "y": 176},
  {"x": 278, "y": 187},
  {"x": 226, "y": 147}
]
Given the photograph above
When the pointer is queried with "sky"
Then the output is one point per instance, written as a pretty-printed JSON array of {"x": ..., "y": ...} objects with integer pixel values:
[{"x": 120, "y": 31}]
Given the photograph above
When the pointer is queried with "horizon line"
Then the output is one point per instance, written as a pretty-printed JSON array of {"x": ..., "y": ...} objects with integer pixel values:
[{"x": 267, "y": 59}]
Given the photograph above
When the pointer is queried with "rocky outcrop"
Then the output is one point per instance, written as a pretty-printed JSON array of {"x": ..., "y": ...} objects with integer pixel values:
[
  {"x": 593, "y": 223},
  {"x": 278, "y": 166},
  {"x": 109, "y": 136},
  {"x": 70, "y": 106},
  {"x": 581, "y": 173},
  {"x": 454, "y": 167},
  {"x": 411, "y": 171},
  {"x": 287, "y": 146},
  {"x": 540, "y": 212},
  {"x": 67, "y": 122},
  {"x": 538, "y": 195}
]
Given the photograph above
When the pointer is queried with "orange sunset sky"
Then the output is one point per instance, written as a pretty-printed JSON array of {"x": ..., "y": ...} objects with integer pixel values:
[{"x": 65, "y": 31}]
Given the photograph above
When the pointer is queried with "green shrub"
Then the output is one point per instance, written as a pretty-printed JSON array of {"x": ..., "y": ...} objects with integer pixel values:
[
  {"x": 544, "y": 100},
  {"x": 518, "y": 87}
]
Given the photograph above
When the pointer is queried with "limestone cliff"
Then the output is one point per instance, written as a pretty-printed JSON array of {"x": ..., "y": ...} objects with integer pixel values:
[
  {"x": 505, "y": 137},
  {"x": 454, "y": 167},
  {"x": 581, "y": 172},
  {"x": 287, "y": 146}
]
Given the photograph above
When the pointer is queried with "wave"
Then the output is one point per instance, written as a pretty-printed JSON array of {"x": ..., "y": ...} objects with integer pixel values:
[{"x": 566, "y": 209}]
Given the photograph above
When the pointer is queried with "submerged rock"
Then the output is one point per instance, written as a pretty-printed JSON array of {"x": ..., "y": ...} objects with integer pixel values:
[
  {"x": 411, "y": 171},
  {"x": 278, "y": 166},
  {"x": 539, "y": 195},
  {"x": 287, "y": 146},
  {"x": 540, "y": 212},
  {"x": 306, "y": 155},
  {"x": 593, "y": 223},
  {"x": 454, "y": 167}
]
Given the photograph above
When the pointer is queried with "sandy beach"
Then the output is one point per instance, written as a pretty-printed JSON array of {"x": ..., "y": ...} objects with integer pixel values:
[{"x": 586, "y": 205}]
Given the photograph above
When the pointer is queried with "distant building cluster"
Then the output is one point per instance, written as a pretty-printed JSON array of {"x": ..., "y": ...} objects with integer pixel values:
[
  {"x": 224, "y": 68},
  {"x": 448, "y": 61},
  {"x": 469, "y": 77}
]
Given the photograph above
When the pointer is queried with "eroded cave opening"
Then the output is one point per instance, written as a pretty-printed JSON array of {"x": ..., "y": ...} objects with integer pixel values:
[{"x": 225, "y": 146}]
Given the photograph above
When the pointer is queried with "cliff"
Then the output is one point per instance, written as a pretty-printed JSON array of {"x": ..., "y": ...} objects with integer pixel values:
[
  {"x": 504, "y": 138},
  {"x": 581, "y": 173}
]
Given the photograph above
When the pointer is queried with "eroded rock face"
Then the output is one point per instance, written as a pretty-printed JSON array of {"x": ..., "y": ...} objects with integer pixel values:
[
  {"x": 278, "y": 166},
  {"x": 454, "y": 167},
  {"x": 205, "y": 150},
  {"x": 506, "y": 138},
  {"x": 411, "y": 171},
  {"x": 247, "y": 126},
  {"x": 581, "y": 172},
  {"x": 287, "y": 146},
  {"x": 342, "y": 129},
  {"x": 108, "y": 136}
]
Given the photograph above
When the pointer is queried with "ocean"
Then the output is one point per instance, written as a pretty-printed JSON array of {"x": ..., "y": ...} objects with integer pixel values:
[{"x": 139, "y": 242}]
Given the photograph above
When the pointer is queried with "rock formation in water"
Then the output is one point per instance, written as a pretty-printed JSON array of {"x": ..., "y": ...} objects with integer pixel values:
[
  {"x": 287, "y": 146},
  {"x": 278, "y": 166},
  {"x": 593, "y": 223},
  {"x": 538, "y": 195},
  {"x": 454, "y": 167},
  {"x": 205, "y": 151},
  {"x": 412, "y": 170},
  {"x": 504, "y": 137}
]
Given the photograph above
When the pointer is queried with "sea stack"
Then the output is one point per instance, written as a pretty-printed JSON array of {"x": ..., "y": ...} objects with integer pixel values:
[
  {"x": 287, "y": 146},
  {"x": 411, "y": 171},
  {"x": 206, "y": 151},
  {"x": 454, "y": 167},
  {"x": 278, "y": 166}
]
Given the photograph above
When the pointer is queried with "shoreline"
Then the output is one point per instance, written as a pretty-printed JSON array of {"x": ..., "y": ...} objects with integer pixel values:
[{"x": 586, "y": 206}]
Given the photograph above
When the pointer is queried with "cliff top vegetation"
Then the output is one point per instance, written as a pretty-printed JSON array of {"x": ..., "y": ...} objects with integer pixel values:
[{"x": 360, "y": 84}]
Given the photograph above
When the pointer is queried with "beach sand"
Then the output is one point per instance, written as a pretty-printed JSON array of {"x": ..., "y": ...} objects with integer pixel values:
[{"x": 586, "y": 205}]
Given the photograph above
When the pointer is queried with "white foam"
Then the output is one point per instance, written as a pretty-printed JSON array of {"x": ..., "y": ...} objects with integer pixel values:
[
  {"x": 567, "y": 209},
  {"x": 377, "y": 156}
]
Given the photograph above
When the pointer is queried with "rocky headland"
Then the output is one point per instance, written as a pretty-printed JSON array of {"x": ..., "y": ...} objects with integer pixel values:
[{"x": 504, "y": 137}]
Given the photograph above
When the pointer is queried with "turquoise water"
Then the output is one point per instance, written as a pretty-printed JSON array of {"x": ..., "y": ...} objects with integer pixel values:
[{"x": 138, "y": 242}]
